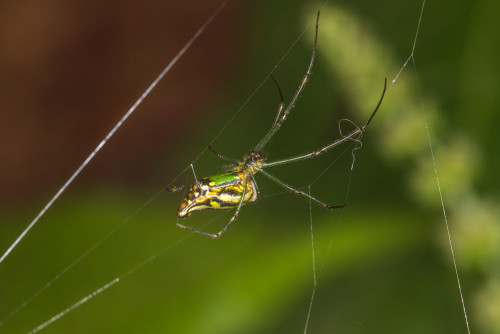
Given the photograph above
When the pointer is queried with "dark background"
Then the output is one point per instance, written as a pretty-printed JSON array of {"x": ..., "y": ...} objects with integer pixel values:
[{"x": 70, "y": 70}]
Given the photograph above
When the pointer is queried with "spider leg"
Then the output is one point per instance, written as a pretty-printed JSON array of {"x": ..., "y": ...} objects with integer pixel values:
[
  {"x": 174, "y": 189},
  {"x": 376, "y": 108},
  {"x": 315, "y": 153},
  {"x": 256, "y": 186},
  {"x": 211, "y": 149},
  {"x": 282, "y": 103},
  {"x": 233, "y": 218},
  {"x": 189, "y": 228},
  {"x": 300, "y": 192},
  {"x": 283, "y": 114},
  {"x": 354, "y": 135},
  {"x": 194, "y": 174}
]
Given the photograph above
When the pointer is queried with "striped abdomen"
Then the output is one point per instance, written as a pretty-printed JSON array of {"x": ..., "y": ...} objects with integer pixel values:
[{"x": 223, "y": 191}]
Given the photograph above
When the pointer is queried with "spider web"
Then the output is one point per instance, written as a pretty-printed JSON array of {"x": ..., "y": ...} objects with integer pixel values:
[
  {"x": 316, "y": 275},
  {"x": 411, "y": 58}
]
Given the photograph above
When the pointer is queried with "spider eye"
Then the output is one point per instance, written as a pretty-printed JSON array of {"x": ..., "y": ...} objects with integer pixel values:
[{"x": 257, "y": 155}]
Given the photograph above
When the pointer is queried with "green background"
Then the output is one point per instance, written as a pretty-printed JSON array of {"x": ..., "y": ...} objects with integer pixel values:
[{"x": 383, "y": 263}]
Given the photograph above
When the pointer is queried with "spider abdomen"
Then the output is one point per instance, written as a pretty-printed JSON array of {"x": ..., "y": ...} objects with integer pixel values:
[{"x": 222, "y": 191}]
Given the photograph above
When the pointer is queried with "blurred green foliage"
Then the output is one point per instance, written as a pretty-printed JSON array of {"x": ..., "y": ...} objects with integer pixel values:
[{"x": 383, "y": 263}]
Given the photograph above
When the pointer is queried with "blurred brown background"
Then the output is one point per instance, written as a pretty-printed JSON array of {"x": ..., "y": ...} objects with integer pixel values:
[{"x": 70, "y": 69}]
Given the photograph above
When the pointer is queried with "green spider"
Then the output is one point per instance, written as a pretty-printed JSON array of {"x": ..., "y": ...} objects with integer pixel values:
[{"x": 237, "y": 187}]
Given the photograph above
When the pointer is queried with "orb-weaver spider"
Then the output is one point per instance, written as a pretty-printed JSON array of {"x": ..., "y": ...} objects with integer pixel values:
[{"x": 238, "y": 186}]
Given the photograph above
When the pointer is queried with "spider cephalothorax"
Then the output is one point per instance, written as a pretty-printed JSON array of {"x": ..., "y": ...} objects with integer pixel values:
[{"x": 251, "y": 162}]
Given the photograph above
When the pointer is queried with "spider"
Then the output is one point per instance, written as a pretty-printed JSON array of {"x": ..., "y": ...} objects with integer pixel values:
[{"x": 238, "y": 186}]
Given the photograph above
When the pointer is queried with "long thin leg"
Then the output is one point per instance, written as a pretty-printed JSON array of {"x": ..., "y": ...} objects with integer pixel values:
[
  {"x": 282, "y": 116},
  {"x": 174, "y": 189},
  {"x": 233, "y": 218},
  {"x": 256, "y": 186},
  {"x": 300, "y": 192},
  {"x": 189, "y": 228},
  {"x": 211, "y": 149},
  {"x": 376, "y": 108},
  {"x": 350, "y": 136},
  {"x": 282, "y": 103},
  {"x": 314, "y": 153},
  {"x": 194, "y": 174}
]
